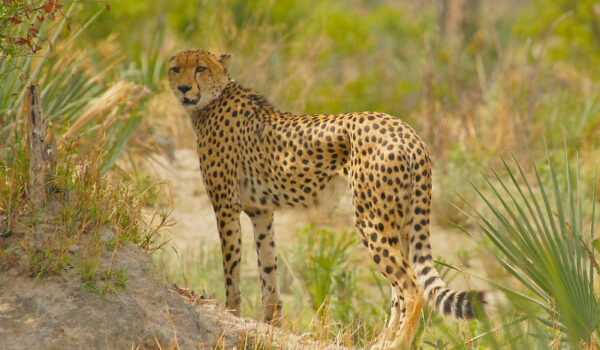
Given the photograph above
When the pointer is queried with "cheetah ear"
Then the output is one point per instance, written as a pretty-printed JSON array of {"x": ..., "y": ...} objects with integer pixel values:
[{"x": 225, "y": 60}]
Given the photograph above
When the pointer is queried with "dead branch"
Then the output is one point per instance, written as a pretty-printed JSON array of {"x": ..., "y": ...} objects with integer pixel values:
[{"x": 42, "y": 146}]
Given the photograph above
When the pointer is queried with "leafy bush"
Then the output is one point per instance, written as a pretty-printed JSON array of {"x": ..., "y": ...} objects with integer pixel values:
[{"x": 20, "y": 21}]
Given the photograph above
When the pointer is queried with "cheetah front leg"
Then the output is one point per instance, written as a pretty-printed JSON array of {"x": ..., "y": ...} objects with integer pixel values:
[
  {"x": 262, "y": 220},
  {"x": 228, "y": 224}
]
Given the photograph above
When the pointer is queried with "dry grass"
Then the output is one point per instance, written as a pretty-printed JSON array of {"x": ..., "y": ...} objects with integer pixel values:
[
  {"x": 102, "y": 112},
  {"x": 80, "y": 205}
]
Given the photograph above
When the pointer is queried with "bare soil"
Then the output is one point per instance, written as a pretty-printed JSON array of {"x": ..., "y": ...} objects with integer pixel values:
[{"x": 60, "y": 312}]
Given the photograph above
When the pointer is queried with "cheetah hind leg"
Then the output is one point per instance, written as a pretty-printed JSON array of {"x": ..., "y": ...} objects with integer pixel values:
[
  {"x": 398, "y": 312},
  {"x": 398, "y": 309},
  {"x": 408, "y": 327},
  {"x": 394, "y": 323},
  {"x": 403, "y": 322},
  {"x": 407, "y": 297}
]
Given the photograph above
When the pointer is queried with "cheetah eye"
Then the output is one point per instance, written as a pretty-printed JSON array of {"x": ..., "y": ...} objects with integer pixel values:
[
  {"x": 175, "y": 70},
  {"x": 200, "y": 69}
]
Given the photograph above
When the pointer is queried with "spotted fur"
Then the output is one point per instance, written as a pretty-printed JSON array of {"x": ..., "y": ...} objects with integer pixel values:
[{"x": 257, "y": 159}]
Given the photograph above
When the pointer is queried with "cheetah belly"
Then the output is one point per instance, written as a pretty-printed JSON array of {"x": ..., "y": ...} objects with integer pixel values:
[
  {"x": 284, "y": 188},
  {"x": 290, "y": 176}
]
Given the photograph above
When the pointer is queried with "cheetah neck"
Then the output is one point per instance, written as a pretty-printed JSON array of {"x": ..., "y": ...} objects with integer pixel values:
[
  {"x": 202, "y": 113},
  {"x": 232, "y": 91}
]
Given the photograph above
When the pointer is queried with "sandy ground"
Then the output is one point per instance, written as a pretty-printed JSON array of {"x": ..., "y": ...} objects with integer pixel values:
[{"x": 59, "y": 312}]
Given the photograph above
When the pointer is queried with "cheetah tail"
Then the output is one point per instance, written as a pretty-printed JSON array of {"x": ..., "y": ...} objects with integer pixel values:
[{"x": 465, "y": 305}]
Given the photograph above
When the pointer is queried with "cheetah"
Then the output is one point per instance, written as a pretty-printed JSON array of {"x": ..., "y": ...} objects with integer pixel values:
[{"x": 256, "y": 159}]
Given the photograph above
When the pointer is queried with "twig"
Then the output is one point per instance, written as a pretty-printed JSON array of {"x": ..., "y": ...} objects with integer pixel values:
[{"x": 590, "y": 253}]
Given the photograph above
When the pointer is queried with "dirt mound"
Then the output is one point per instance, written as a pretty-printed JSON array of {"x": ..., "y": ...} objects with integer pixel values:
[{"x": 61, "y": 312}]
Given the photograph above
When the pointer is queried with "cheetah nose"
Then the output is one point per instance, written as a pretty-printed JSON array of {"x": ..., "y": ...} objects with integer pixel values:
[{"x": 184, "y": 88}]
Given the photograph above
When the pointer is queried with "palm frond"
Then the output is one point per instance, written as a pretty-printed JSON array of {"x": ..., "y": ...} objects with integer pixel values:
[{"x": 540, "y": 236}]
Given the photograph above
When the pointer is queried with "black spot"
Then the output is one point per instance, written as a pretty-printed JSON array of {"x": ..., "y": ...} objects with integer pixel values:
[{"x": 422, "y": 259}]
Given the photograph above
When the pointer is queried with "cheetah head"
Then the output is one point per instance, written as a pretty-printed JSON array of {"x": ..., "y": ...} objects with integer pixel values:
[{"x": 197, "y": 78}]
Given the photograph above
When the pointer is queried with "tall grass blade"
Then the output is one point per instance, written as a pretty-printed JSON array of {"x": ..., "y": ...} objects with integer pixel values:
[{"x": 123, "y": 136}]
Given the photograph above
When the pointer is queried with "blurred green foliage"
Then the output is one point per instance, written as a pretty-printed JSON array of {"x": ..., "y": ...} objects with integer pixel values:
[
  {"x": 570, "y": 29},
  {"x": 337, "y": 56}
]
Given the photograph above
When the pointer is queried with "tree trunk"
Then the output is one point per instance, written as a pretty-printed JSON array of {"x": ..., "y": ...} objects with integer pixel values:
[{"x": 42, "y": 146}]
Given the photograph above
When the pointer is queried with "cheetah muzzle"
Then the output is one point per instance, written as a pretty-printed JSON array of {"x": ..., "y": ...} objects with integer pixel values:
[
  {"x": 257, "y": 159},
  {"x": 186, "y": 101}
]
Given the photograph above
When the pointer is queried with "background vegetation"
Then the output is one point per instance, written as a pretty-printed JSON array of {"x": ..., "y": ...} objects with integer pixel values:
[{"x": 481, "y": 81}]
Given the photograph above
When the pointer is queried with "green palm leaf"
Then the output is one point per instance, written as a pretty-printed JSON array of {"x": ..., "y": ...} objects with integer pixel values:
[{"x": 537, "y": 228}]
